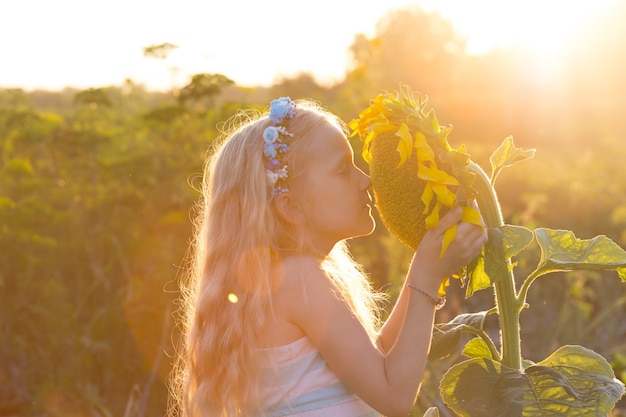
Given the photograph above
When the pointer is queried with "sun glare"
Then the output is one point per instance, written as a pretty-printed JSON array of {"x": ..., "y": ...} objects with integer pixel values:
[
  {"x": 541, "y": 26},
  {"x": 544, "y": 29}
]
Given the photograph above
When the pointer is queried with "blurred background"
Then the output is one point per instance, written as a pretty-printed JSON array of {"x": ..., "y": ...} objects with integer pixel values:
[{"x": 107, "y": 111}]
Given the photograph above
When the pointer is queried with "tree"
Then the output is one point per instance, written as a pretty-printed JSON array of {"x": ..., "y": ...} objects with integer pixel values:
[
  {"x": 160, "y": 51},
  {"x": 204, "y": 86},
  {"x": 93, "y": 97},
  {"x": 413, "y": 47}
]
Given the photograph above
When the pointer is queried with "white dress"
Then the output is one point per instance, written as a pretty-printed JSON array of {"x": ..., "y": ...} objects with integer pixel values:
[{"x": 298, "y": 382}]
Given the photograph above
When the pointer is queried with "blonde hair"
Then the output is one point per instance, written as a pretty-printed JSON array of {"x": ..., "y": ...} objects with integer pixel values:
[{"x": 226, "y": 292}]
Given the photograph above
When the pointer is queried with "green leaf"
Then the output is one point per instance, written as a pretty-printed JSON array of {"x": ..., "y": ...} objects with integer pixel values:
[
  {"x": 477, "y": 348},
  {"x": 446, "y": 336},
  {"x": 562, "y": 251},
  {"x": 506, "y": 155},
  {"x": 496, "y": 262},
  {"x": 478, "y": 278},
  {"x": 492, "y": 265},
  {"x": 573, "y": 381},
  {"x": 588, "y": 375},
  {"x": 515, "y": 239},
  {"x": 468, "y": 388}
]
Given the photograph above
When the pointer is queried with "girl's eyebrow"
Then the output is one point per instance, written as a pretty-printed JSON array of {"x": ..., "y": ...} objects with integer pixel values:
[{"x": 341, "y": 157}]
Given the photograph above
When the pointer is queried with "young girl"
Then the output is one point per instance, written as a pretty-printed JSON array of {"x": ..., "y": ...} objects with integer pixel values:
[{"x": 280, "y": 321}]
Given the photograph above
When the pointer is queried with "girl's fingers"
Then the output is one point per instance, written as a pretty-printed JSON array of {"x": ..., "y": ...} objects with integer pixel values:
[{"x": 451, "y": 218}]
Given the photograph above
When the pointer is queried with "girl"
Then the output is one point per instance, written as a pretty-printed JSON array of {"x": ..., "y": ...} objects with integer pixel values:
[{"x": 279, "y": 318}]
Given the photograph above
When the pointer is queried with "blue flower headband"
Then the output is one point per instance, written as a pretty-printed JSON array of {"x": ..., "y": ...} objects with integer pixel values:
[{"x": 281, "y": 110}]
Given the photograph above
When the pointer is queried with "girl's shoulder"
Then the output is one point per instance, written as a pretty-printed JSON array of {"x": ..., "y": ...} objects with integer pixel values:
[
  {"x": 302, "y": 271},
  {"x": 297, "y": 282}
]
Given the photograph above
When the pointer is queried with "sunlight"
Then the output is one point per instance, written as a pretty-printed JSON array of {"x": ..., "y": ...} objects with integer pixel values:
[
  {"x": 109, "y": 57},
  {"x": 544, "y": 27}
]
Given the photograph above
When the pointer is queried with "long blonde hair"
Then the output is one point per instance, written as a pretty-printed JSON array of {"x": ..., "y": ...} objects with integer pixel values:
[{"x": 226, "y": 292}]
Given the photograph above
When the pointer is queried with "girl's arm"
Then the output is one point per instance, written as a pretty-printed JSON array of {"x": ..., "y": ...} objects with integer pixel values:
[
  {"x": 391, "y": 328},
  {"x": 387, "y": 377}
]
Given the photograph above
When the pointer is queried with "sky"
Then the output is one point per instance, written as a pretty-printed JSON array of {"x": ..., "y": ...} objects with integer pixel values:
[{"x": 53, "y": 44}]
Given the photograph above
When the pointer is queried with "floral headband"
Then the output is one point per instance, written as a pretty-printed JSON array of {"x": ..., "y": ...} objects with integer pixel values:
[{"x": 281, "y": 111}]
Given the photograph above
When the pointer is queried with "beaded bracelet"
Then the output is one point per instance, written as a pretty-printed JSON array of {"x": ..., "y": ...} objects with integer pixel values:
[{"x": 437, "y": 301}]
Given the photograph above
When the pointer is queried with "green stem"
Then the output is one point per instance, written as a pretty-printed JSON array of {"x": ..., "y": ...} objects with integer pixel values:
[
  {"x": 485, "y": 337},
  {"x": 506, "y": 299},
  {"x": 521, "y": 296}
]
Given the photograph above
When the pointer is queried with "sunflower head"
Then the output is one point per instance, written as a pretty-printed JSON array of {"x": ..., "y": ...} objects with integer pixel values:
[{"x": 416, "y": 176}]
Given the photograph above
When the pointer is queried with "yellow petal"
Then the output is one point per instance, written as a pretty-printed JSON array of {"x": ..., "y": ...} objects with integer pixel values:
[
  {"x": 432, "y": 220},
  {"x": 424, "y": 152},
  {"x": 427, "y": 197},
  {"x": 404, "y": 144},
  {"x": 471, "y": 215},
  {"x": 383, "y": 127},
  {"x": 367, "y": 141},
  {"x": 442, "y": 287},
  {"x": 434, "y": 124},
  {"x": 432, "y": 173},
  {"x": 404, "y": 153},
  {"x": 444, "y": 195}
]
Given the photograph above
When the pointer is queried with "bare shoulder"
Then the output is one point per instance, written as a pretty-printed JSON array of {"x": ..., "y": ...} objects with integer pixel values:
[
  {"x": 291, "y": 291},
  {"x": 296, "y": 272},
  {"x": 302, "y": 286}
]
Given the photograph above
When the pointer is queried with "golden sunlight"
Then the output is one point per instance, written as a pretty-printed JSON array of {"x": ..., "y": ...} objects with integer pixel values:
[
  {"x": 541, "y": 26},
  {"x": 547, "y": 31}
]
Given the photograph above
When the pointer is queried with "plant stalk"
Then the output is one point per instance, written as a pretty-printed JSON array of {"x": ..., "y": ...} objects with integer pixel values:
[{"x": 506, "y": 299}]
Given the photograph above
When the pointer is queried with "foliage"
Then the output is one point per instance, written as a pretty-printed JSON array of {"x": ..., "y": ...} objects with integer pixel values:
[
  {"x": 93, "y": 214},
  {"x": 203, "y": 86}
]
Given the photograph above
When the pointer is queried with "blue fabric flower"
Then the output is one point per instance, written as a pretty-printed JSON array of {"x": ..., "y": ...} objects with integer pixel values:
[
  {"x": 269, "y": 150},
  {"x": 270, "y": 134},
  {"x": 281, "y": 108}
]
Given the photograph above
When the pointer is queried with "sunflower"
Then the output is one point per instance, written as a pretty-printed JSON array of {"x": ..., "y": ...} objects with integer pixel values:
[{"x": 416, "y": 176}]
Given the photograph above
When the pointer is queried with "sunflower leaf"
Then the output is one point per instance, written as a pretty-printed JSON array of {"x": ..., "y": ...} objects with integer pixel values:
[
  {"x": 477, "y": 348},
  {"x": 562, "y": 251},
  {"x": 447, "y": 336},
  {"x": 572, "y": 381},
  {"x": 515, "y": 239},
  {"x": 506, "y": 155}
]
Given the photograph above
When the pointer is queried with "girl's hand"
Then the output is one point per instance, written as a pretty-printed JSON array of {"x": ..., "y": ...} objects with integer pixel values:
[{"x": 466, "y": 245}]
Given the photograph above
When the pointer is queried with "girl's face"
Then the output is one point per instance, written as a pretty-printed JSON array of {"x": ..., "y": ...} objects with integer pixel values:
[{"x": 336, "y": 202}]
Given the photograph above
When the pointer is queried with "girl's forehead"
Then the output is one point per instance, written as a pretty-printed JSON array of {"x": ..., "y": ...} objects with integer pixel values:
[{"x": 328, "y": 138}]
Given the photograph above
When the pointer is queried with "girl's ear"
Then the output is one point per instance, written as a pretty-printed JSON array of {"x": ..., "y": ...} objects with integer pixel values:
[{"x": 288, "y": 209}]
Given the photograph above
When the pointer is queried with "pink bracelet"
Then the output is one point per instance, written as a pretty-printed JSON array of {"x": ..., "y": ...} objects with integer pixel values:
[{"x": 437, "y": 301}]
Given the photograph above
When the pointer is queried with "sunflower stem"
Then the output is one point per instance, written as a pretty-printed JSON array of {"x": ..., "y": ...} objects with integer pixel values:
[{"x": 506, "y": 298}]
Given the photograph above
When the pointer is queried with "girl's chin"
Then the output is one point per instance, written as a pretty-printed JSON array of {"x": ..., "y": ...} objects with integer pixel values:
[{"x": 369, "y": 228}]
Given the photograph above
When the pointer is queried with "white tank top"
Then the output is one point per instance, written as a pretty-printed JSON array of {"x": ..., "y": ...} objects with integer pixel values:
[{"x": 298, "y": 382}]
